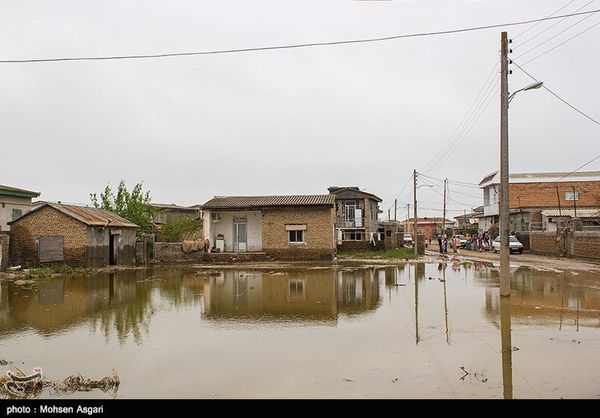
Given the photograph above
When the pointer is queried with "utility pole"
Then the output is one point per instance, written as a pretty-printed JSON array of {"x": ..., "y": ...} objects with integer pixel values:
[
  {"x": 558, "y": 199},
  {"x": 407, "y": 218},
  {"x": 395, "y": 209},
  {"x": 504, "y": 202},
  {"x": 389, "y": 215},
  {"x": 465, "y": 221},
  {"x": 444, "y": 213},
  {"x": 416, "y": 232},
  {"x": 574, "y": 202}
]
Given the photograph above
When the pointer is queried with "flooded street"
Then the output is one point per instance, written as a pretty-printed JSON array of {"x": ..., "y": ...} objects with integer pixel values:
[{"x": 414, "y": 331}]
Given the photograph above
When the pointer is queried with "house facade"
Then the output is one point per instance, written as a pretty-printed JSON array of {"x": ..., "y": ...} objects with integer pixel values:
[
  {"x": 356, "y": 217},
  {"x": 14, "y": 203},
  {"x": 538, "y": 200},
  {"x": 297, "y": 227},
  {"x": 163, "y": 213},
  {"x": 75, "y": 235},
  {"x": 429, "y": 227}
]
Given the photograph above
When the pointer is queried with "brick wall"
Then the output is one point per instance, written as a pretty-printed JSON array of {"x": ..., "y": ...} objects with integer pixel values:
[
  {"x": 540, "y": 195},
  {"x": 318, "y": 236},
  {"x": 586, "y": 244},
  {"x": 4, "y": 245},
  {"x": 545, "y": 243},
  {"x": 571, "y": 244},
  {"x": 47, "y": 221}
]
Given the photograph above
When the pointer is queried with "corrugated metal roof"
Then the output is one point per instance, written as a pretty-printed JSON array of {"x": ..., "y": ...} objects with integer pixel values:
[
  {"x": 87, "y": 215},
  {"x": 581, "y": 213},
  {"x": 242, "y": 202},
  {"x": 14, "y": 191},
  {"x": 173, "y": 206},
  {"x": 563, "y": 177},
  {"x": 340, "y": 189}
]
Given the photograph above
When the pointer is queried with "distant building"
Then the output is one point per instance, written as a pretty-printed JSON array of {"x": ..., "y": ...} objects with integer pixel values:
[
  {"x": 287, "y": 227},
  {"x": 166, "y": 212},
  {"x": 429, "y": 227},
  {"x": 76, "y": 235},
  {"x": 356, "y": 220},
  {"x": 537, "y": 200},
  {"x": 469, "y": 219},
  {"x": 13, "y": 204}
]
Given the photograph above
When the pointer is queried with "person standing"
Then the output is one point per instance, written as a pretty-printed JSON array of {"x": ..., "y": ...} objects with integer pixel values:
[{"x": 440, "y": 243}]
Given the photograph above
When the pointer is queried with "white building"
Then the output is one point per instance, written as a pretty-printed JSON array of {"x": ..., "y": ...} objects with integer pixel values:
[{"x": 14, "y": 203}]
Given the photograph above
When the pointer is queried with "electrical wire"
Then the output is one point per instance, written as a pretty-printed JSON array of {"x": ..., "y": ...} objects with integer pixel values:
[
  {"x": 557, "y": 96},
  {"x": 538, "y": 23},
  {"x": 290, "y": 46}
]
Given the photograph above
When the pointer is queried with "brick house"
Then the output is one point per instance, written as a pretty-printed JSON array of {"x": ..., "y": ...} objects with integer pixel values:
[
  {"x": 429, "y": 227},
  {"x": 13, "y": 204},
  {"x": 298, "y": 227},
  {"x": 76, "y": 235},
  {"x": 356, "y": 221},
  {"x": 538, "y": 200}
]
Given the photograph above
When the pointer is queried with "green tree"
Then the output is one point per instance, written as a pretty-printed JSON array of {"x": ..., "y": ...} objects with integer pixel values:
[
  {"x": 133, "y": 206},
  {"x": 179, "y": 228}
]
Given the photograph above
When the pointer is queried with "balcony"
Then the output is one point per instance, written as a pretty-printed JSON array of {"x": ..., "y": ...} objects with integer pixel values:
[
  {"x": 491, "y": 210},
  {"x": 349, "y": 223}
]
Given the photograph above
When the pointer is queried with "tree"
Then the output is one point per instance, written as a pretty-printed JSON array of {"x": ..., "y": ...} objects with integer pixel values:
[
  {"x": 179, "y": 228},
  {"x": 133, "y": 206}
]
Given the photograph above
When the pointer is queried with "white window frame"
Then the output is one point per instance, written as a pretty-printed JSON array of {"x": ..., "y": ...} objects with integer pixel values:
[
  {"x": 569, "y": 195},
  {"x": 296, "y": 232}
]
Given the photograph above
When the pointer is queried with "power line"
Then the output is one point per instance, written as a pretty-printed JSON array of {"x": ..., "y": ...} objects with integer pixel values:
[
  {"x": 290, "y": 46},
  {"x": 533, "y": 26},
  {"x": 551, "y": 26},
  {"x": 562, "y": 43},
  {"x": 555, "y": 35},
  {"x": 578, "y": 168},
  {"x": 558, "y": 97}
]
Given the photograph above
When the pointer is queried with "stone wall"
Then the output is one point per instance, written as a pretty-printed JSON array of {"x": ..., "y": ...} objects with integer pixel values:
[
  {"x": 171, "y": 252},
  {"x": 318, "y": 236},
  {"x": 4, "y": 254},
  {"x": 577, "y": 244},
  {"x": 355, "y": 246},
  {"x": 47, "y": 221}
]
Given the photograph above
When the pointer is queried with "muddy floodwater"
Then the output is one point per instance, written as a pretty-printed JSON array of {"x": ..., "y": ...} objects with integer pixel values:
[{"x": 410, "y": 331}]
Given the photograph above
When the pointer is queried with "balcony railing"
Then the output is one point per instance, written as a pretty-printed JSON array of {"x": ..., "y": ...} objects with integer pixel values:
[{"x": 349, "y": 223}]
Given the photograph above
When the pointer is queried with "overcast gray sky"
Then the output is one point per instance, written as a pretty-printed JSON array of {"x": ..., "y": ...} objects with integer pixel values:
[{"x": 287, "y": 121}]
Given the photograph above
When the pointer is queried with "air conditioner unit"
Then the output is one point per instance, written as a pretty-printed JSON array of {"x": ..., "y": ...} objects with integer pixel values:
[{"x": 215, "y": 217}]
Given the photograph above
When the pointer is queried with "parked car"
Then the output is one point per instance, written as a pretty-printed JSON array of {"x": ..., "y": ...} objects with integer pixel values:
[
  {"x": 513, "y": 244},
  {"x": 408, "y": 241},
  {"x": 462, "y": 241}
]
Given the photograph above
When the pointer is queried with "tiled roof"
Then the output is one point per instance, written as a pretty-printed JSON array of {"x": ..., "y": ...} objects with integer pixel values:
[
  {"x": 243, "y": 202},
  {"x": 173, "y": 206},
  {"x": 87, "y": 215}
]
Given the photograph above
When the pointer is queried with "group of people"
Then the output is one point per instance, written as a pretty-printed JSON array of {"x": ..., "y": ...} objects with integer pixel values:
[
  {"x": 479, "y": 242},
  {"x": 443, "y": 243}
]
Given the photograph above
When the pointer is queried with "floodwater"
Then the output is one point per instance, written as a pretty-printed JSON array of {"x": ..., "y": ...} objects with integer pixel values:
[{"x": 412, "y": 331}]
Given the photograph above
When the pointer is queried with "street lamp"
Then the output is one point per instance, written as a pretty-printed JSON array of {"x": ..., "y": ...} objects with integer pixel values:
[{"x": 505, "y": 98}]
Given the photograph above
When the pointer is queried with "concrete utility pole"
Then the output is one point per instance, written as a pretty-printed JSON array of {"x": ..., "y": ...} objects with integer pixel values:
[
  {"x": 395, "y": 209},
  {"x": 444, "y": 212},
  {"x": 407, "y": 218},
  {"x": 574, "y": 203},
  {"x": 504, "y": 206},
  {"x": 415, "y": 233}
]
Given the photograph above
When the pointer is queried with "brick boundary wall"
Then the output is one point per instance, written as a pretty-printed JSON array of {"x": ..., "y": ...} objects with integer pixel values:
[
  {"x": 579, "y": 244},
  {"x": 354, "y": 246}
]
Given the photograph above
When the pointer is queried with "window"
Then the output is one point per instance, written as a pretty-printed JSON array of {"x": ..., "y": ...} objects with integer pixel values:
[
  {"x": 350, "y": 208},
  {"x": 571, "y": 196},
  {"x": 296, "y": 289},
  {"x": 16, "y": 213},
  {"x": 296, "y": 236}
]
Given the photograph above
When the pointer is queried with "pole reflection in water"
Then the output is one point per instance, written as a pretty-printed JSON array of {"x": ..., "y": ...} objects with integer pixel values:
[
  {"x": 505, "y": 333},
  {"x": 416, "y": 309},
  {"x": 445, "y": 301}
]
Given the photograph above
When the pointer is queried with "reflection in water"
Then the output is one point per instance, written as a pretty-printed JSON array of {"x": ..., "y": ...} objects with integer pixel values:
[
  {"x": 560, "y": 299},
  {"x": 294, "y": 294},
  {"x": 505, "y": 333}
]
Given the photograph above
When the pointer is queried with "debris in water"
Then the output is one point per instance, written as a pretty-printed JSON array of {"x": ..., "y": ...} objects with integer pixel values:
[
  {"x": 515, "y": 348},
  {"x": 348, "y": 380},
  {"x": 16, "y": 385},
  {"x": 395, "y": 379}
]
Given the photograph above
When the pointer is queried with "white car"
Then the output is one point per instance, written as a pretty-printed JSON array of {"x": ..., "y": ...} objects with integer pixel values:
[
  {"x": 408, "y": 240},
  {"x": 513, "y": 244}
]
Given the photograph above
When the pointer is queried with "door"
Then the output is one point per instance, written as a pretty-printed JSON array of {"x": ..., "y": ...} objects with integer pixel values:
[
  {"x": 240, "y": 234},
  {"x": 113, "y": 247}
]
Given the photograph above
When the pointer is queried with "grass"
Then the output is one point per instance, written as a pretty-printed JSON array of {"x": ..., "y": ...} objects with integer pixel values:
[
  {"x": 395, "y": 253},
  {"x": 48, "y": 271}
]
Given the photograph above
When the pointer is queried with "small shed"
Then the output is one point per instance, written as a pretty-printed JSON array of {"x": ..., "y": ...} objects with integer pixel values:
[{"x": 76, "y": 235}]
